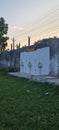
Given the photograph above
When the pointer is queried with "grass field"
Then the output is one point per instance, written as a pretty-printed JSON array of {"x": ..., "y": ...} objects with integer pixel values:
[{"x": 27, "y": 105}]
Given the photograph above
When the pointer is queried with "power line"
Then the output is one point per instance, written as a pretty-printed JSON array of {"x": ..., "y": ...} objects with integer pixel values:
[{"x": 43, "y": 24}]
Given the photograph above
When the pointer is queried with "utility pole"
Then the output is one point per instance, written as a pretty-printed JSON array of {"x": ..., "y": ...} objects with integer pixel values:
[
  {"x": 13, "y": 40},
  {"x": 11, "y": 47},
  {"x": 28, "y": 40}
]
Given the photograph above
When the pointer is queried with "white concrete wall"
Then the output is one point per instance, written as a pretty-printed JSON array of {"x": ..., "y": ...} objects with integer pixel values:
[{"x": 40, "y": 55}]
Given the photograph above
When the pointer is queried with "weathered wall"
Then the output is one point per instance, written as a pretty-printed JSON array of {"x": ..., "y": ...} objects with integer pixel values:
[
  {"x": 10, "y": 60},
  {"x": 54, "y": 57},
  {"x": 35, "y": 57}
]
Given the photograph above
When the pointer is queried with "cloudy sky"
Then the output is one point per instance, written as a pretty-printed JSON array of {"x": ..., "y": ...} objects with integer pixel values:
[{"x": 35, "y": 18}]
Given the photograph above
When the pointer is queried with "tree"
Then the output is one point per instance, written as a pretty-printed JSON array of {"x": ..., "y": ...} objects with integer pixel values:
[
  {"x": 18, "y": 46},
  {"x": 3, "y": 33}
]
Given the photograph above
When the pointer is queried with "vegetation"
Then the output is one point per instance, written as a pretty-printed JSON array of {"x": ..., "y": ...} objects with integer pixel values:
[
  {"x": 45, "y": 40},
  {"x": 27, "y": 105},
  {"x": 18, "y": 46},
  {"x": 3, "y": 32}
]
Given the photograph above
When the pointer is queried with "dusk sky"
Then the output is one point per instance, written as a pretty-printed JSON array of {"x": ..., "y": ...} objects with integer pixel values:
[{"x": 35, "y": 18}]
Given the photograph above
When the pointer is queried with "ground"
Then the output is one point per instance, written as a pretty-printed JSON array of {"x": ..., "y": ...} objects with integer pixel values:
[{"x": 28, "y": 105}]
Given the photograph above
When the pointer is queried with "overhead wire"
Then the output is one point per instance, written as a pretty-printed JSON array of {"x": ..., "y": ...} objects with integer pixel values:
[{"x": 43, "y": 25}]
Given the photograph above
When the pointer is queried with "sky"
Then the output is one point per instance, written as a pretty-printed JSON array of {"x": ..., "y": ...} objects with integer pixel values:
[{"x": 35, "y": 18}]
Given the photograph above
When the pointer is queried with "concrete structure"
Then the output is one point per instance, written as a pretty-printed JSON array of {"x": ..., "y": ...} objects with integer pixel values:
[
  {"x": 54, "y": 57},
  {"x": 10, "y": 60},
  {"x": 44, "y": 52},
  {"x": 35, "y": 62},
  {"x": 43, "y": 60}
]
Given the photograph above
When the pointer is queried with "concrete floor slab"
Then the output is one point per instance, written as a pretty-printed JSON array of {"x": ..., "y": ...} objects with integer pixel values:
[{"x": 38, "y": 78}]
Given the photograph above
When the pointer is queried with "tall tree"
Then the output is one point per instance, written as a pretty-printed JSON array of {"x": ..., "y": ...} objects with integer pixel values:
[
  {"x": 18, "y": 46},
  {"x": 3, "y": 33}
]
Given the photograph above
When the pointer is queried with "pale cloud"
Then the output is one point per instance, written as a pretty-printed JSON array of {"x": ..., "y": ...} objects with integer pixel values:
[{"x": 17, "y": 28}]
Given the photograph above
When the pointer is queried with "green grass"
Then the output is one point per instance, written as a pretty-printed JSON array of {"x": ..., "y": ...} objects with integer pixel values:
[{"x": 24, "y": 105}]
